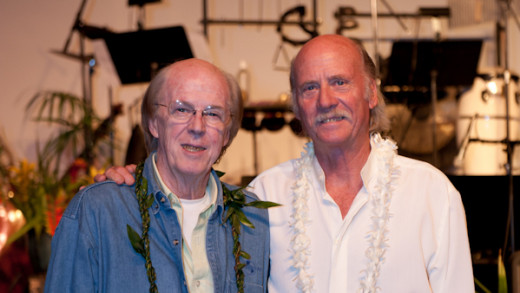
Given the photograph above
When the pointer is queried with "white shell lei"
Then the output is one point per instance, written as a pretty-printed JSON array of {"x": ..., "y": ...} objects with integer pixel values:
[{"x": 385, "y": 151}]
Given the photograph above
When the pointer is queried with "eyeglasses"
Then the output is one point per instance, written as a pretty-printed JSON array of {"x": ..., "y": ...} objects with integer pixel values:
[{"x": 184, "y": 111}]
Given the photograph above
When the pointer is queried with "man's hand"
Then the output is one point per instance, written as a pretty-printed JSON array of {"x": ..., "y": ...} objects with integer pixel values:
[{"x": 121, "y": 175}]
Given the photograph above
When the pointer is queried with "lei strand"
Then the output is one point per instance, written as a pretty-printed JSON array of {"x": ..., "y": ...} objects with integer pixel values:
[
  {"x": 141, "y": 244},
  {"x": 234, "y": 201},
  {"x": 380, "y": 199},
  {"x": 300, "y": 244}
]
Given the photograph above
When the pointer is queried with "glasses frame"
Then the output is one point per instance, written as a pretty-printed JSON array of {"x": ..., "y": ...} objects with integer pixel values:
[{"x": 173, "y": 106}]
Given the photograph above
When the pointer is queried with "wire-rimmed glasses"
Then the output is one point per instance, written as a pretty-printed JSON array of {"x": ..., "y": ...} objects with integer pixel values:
[{"x": 182, "y": 111}]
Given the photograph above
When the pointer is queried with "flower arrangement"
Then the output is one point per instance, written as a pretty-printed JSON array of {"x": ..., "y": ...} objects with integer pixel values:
[
  {"x": 42, "y": 197},
  {"x": 42, "y": 190}
]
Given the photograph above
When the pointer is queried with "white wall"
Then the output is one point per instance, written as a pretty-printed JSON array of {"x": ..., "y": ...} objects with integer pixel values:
[{"x": 31, "y": 29}]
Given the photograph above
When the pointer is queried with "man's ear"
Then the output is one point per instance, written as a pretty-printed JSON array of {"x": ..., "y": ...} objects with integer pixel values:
[
  {"x": 373, "y": 99},
  {"x": 295, "y": 107},
  {"x": 152, "y": 127},
  {"x": 226, "y": 137}
]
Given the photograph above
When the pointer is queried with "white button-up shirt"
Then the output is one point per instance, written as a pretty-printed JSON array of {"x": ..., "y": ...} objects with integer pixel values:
[{"x": 427, "y": 243}]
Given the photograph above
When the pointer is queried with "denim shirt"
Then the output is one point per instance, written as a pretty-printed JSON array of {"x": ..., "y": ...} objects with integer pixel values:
[{"x": 91, "y": 251}]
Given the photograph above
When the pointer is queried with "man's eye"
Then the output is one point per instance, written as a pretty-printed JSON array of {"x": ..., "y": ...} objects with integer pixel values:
[
  {"x": 339, "y": 82},
  {"x": 309, "y": 87},
  {"x": 182, "y": 110},
  {"x": 213, "y": 114}
]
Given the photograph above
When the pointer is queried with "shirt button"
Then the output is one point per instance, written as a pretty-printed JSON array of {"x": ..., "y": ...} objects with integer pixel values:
[
  {"x": 175, "y": 242},
  {"x": 197, "y": 283}
]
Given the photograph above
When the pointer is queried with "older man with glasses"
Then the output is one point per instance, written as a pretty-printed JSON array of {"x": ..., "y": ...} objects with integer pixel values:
[{"x": 178, "y": 229}]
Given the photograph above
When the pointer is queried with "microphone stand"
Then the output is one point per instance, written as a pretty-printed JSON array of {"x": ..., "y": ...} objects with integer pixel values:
[{"x": 86, "y": 84}]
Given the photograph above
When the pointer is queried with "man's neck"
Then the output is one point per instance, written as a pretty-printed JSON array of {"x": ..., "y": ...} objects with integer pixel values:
[{"x": 342, "y": 169}]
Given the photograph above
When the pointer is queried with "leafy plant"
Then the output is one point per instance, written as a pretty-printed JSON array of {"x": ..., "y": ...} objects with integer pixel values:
[
  {"x": 74, "y": 119},
  {"x": 40, "y": 196},
  {"x": 43, "y": 189}
]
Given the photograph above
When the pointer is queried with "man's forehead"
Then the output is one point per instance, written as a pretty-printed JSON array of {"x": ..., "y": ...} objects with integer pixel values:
[
  {"x": 198, "y": 91},
  {"x": 327, "y": 66}
]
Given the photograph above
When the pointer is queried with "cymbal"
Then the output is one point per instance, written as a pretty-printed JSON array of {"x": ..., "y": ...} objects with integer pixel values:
[{"x": 413, "y": 129}]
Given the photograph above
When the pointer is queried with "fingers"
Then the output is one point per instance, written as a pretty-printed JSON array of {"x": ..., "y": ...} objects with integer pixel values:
[
  {"x": 129, "y": 174},
  {"x": 117, "y": 174},
  {"x": 99, "y": 178},
  {"x": 131, "y": 168}
]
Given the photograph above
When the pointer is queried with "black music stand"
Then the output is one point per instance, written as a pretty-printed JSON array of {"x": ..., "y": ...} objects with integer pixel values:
[
  {"x": 412, "y": 62},
  {"x": 139, "y": 55}
]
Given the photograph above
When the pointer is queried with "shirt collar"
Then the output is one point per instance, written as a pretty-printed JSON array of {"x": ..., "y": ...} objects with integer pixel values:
[{"x": 211, "y": 187}]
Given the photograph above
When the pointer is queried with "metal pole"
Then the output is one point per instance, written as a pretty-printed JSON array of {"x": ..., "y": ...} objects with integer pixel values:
[
  {"x": 205, "y": 17},
  {"x": 509, "y": 167},
  {"x": 373, "y": 8}
]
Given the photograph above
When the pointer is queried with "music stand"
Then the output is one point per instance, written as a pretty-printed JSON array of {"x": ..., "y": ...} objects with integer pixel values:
[
  {"x": 139, "y": 55},
  {"x": 412, "y": 62}
]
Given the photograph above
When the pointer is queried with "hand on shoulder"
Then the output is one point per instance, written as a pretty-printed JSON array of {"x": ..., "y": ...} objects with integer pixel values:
[{"x": 120, "y": 175}]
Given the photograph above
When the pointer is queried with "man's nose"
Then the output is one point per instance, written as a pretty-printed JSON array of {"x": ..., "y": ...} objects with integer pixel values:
[
  {"x": 196, "y": 123},
  {"x": 327, "y": 99}
]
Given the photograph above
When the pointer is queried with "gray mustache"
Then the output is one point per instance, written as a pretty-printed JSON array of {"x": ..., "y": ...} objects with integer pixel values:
[{"x": 336, "y": 114}]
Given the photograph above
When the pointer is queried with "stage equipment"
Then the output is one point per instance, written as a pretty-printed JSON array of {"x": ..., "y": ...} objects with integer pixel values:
[
  {"x": 206, "y": 21},
  {"x": 419, "y": 71},
  {"x": 141, "y": 2},
  {"x": 507, "y": 12},
  {"x": 141, "y": 18},
  {"x": 481, "y": 126},
  {"x": 300, "y": 12},
  {"x": 411, "y": 126},
  {"x": 139, "y": 55},
  {"x": 309, "y": 27},
  {"x": 296, "y": 127},
  {"x": 421, "y": 13},
  {"x": 411, "y": 63},
  {"x": 88, "y": 62},
  {"x": 273, "y": 120},
  {"x": 345, "y": 18}
]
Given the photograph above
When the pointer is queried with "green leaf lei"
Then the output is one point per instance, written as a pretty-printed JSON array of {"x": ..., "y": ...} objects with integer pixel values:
[
  {"x": 141, "y": 244},
  {"x": 234, "y": 201}
]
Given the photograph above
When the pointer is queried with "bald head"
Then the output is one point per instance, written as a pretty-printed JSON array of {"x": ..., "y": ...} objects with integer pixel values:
[
  {"x": 339, "y": 47},
  {"x": 189, "y": 70},
  {"x": 329, "y": 44}
]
